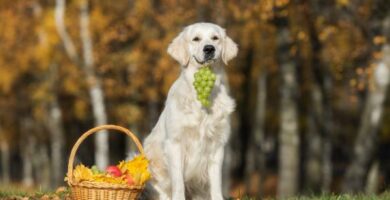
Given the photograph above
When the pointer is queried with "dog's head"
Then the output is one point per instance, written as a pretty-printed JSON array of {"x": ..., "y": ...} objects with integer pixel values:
[{"x": 202, "y": 43}]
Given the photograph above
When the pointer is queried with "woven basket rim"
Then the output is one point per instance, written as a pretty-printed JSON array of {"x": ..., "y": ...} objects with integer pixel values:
[
  {"x": 93, "y": 131},
  {"x": 103, "y": 185}
]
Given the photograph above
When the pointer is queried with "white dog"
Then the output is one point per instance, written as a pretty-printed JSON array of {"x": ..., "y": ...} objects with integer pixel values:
[{"x": 186, "y": 147}]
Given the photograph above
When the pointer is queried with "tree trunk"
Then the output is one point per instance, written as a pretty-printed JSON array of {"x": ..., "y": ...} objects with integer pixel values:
[
  {"x": 94, "y": 83},
  {"x": 259, "y": 132},
  {"x": 27, "y": 147},
  {"x": 250, "y": 166},
  {"x": 256, "y": 152},
  {"x": 320, "y": 122},
  {"x": 327, "y": 170},
  {"x": 61, "y": 29},
  {"x": 27, "y": 166},
  {"x": 95, "y": 89},
  {"x": 5, "y": 162},
  {"x": 41, "y": 166},
  {"x": 366, "y": 141},
  {"x": 288, "y": 136},
  {"x": 57, "y": 140},
  {"x": 313, "y": 162},
  {"x": 372, "y": 186}
]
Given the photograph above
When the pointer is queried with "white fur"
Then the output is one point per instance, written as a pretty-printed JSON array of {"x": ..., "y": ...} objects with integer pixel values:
[{"x": 185, "y": 148}]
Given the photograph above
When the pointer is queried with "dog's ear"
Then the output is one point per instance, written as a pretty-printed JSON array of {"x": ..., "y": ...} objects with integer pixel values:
[
  {"x": 178, "y": 50},
  {"x": 229, "y": 50}
]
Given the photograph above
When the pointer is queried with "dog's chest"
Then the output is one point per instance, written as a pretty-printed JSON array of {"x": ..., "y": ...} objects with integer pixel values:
[
  {"x": 196, "y": 153},
  {"x": 207, "y": 122},
  {"x": 203, "y": 138}
]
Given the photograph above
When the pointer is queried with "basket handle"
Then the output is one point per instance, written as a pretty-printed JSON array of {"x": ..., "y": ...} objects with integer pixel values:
[{"x": 92, "y": 131}]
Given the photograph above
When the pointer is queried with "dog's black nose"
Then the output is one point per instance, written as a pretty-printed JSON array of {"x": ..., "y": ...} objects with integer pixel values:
[{"x": 208, "y": 49}]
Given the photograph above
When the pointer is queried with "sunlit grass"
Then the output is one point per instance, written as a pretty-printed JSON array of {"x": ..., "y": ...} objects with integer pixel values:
[
  {"x": 18, "y": 192},
  {"x": 13, "y": 190},
  {"x": 383, "y": 196}
]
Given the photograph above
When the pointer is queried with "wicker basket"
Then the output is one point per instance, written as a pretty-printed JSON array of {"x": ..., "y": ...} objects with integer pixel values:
[{"x": 104, "y": 191}]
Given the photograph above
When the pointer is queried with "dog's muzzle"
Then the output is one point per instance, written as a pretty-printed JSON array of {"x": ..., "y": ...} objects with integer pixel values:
[{"x": 209, "y": 51}]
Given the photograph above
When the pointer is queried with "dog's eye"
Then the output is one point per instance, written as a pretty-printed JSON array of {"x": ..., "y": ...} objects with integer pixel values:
[
  {"x": 215, "y": 38},
  {"x": 196, "y": 39}
]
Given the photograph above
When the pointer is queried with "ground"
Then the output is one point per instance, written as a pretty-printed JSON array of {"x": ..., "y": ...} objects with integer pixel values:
[{"x": 15, "y": 193}]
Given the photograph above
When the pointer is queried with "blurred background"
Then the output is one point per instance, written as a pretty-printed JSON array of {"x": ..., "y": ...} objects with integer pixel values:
[{"x": 310, "y": 81}]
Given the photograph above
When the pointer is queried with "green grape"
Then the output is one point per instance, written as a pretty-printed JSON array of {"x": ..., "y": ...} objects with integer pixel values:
[
  {"x": 206, "y": 77},
  {"x": 203, "y": 101},
  {"x": 197, "y": 79},
  {"x": 208, "y": 89},
  {"x": 202, "y": 95},
  {"x": 198, "y": 89},
  {"x": 210, "y": 83},
  {"x": 203, "y": 83},
  {"x": 213, "y": 77}
]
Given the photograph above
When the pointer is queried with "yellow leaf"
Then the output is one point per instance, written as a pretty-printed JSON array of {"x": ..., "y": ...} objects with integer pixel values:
[
  {"x": 342, "y": 2},
  {"x": 379, "y": 40},
  {"x": 82, "y": 173}
]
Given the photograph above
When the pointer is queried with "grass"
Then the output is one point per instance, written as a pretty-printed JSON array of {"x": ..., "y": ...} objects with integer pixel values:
[
  {"x": 383, "y": 196},
  {"x": 16, "y": 193}
]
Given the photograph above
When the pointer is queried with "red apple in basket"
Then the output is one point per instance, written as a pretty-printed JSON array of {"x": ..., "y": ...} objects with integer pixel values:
[
  {"x": 129, "y": 179},
  {"x": 114, "y": 171}
]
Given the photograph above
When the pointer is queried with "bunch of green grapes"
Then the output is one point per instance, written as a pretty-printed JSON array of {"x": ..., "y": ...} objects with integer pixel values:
[{"x": 204, "y": 80}]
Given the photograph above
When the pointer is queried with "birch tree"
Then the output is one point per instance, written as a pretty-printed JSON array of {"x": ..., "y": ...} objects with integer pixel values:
[
  {"x": 320, "y": 122},
  {"x": 93, "y": 81},
  {"x": 288, "y": 135},
  {"x": 55, "y": 127},
  {"x": 27, "y": 146},
  {"x": 5, "y": 158},
  {"x": 367, "y": 138},
  {"x": 95, "y": 88},
  {"x": 50, "y": 103},
  {"x": 259, "y": 132}
]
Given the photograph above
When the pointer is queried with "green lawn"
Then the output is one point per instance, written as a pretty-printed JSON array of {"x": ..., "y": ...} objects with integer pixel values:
[
  {"x": 383, "y": 196},
  {"x": 15, "y": 193}
]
